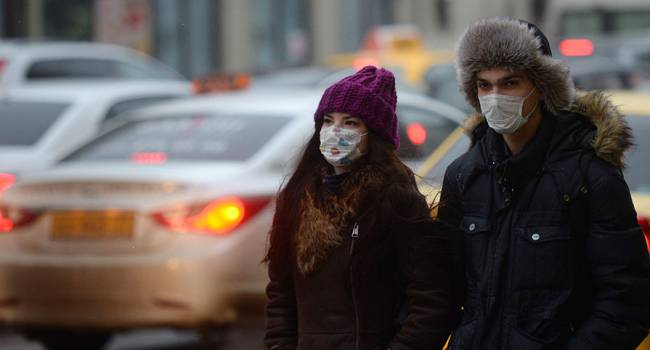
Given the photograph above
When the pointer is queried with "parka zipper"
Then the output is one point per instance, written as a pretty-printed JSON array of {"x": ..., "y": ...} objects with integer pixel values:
[{"x": 355, "y": 235}]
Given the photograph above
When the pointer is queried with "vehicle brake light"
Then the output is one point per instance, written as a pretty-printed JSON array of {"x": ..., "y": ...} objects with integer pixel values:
[
  {"x": 645, "y": 227},
  {"x": 149, "y": 158},
  {"x": 6, "y": 180},
  {"x": 576, "y": 47},
  {"x": 416, "y": 133},
  {"x": 3, "y": 64},
  {"x": 220, "y": 83},
  {"x": 12, "y": 218},
  {"x": 218, "y": 217}
]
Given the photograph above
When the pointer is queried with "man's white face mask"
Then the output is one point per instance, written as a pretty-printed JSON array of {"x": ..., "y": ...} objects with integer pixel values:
[{"x": 504, "y": 113}]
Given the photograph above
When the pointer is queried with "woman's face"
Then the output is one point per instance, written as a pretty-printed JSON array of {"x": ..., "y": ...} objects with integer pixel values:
[{"x": 346, "y": 121}]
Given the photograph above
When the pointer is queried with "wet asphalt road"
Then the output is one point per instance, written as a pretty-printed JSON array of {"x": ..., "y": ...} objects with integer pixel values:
[{"x": 244, "y": 336}]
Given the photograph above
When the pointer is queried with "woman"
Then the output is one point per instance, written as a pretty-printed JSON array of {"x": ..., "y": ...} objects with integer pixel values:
[{"x": 355, "y": 261}]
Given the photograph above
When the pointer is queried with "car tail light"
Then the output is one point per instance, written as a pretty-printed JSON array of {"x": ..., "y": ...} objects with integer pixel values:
[
  {"x": 6, "y": 180},
  {"x": 645, "y": 226},
  {"x": 416, "y": 133},
  {"x": 149, "y": 158},
  {"x": 217, "y": 217},
  {"x": 576, "y": 47},
  {"x": 13, "y": 218},
  {"x": 3, "y": 64}
]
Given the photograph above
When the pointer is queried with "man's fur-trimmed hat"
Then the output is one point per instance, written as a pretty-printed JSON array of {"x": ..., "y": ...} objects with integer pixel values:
[{"x": 517, "y": 45}]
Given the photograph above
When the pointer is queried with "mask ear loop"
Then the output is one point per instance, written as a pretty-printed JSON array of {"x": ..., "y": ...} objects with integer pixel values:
[{"x": 534, "y": 107}]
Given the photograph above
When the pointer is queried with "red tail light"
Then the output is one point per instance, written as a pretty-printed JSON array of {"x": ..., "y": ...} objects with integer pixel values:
[
  {"x": 577, "y": 47},
  {"x": 6, "y": 180},
  {"x": 13, "y": 218},
  {"x": 645, "y": 226},
  {"x": 217, "y": 217},
  {"x": 416, "y": 133},
  {"x": 3, "y": 64}
]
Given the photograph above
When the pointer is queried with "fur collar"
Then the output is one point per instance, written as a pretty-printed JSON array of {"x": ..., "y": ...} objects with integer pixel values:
[
  {"x": 323, "y": 216},
  {"x": 613, "y": 136}
]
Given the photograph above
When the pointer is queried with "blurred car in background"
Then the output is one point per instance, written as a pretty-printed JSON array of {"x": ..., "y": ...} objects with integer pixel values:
[
  {"x": 42, "y": 122},
  {"x": 162, "y": 219},
  {"x": 577, "y": 18},
  {"x": 27, "y": 61},
  {"x": 588, "y": 73},
  {"x": 399, "y": 48}
]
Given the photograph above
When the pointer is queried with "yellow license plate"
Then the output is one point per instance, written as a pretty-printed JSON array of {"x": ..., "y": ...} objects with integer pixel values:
[{"x": 80, "y": 225}]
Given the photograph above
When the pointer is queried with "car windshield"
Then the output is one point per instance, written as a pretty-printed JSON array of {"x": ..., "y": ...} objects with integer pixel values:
[
  {"x": 24, "y": 123},
  {"x": 637, "y": 172},
  {"x": 196, "y": 137}
]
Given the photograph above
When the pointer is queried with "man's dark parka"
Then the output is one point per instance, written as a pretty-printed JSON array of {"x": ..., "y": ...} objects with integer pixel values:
[{"x": 548, "y": 242}]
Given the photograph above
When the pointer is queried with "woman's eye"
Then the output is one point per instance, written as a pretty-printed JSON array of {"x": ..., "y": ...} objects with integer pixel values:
[
  {"x": 327, "y": 121},
  {"x": 351, "y": 123}
]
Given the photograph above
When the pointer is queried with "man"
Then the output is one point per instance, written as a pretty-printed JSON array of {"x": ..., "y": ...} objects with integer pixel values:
[{"x": 553, "y": 255}]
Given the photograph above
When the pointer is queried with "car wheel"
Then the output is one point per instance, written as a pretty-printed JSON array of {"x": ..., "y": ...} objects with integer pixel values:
[
  {"x": 215, "y": 337},
  {"x": 70, "y": 340}
]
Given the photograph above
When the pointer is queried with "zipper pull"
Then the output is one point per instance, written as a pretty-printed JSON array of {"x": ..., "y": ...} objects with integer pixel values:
[
  {"x": 355, "y": 230},
  {"x": 355, "y": 234}
]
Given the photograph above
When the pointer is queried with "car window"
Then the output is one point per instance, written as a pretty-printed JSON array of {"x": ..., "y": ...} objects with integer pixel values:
[
  {"x": 96, "y": 68},
  {"x": 637, "y": 172},
  {"x": 197, "y": 137},
  {"x": 24, "y": 123},
  {"x": 421, "y": 131},
  {"x": 437, "y": 173},
  {"x": 135, "y": 103},
  {"x": 72, "y": 68}
]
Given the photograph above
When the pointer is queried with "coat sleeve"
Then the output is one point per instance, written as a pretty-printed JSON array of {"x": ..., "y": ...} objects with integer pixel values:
[
  {"x": 281, "y": 331},
  {"x": 620, "y": 271},
  {"x": 450, "y": 215},
  {"x": 423, "y": 263}
]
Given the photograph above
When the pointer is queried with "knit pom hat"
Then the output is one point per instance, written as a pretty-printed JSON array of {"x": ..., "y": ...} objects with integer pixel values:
[
  {"x": 518, "y": 45},
  {"x": 368, "y": 94}
]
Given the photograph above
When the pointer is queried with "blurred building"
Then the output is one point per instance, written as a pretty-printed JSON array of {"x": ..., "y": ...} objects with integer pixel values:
[{"x": 201, "y": 36}]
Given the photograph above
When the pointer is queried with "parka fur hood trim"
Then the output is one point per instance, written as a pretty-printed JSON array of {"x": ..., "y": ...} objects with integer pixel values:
[
  {"x": 323, "y": 216},
  {"x": 613, "y": 136},
  {"x": 509, "y": 43}
]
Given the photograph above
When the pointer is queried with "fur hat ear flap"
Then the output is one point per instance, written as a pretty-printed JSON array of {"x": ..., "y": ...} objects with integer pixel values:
[{"x": 517, "y": 45}]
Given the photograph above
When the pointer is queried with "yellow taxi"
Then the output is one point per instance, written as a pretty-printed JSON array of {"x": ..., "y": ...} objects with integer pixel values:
[
  {"x": 396, "y": 47},
  {"x": 635, "y": 107}
]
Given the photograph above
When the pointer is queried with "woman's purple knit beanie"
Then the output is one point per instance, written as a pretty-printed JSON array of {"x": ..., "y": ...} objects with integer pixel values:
[{"x": 368, "y": 94}]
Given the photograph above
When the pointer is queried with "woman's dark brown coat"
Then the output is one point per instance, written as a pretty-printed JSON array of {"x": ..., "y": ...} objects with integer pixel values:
[{"x": 383, "y": 285}]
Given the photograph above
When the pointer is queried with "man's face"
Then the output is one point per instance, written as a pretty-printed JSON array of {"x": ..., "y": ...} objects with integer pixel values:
[{"x": 503, "y": 81}]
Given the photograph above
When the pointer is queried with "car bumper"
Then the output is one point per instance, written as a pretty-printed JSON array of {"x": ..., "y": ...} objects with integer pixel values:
[{"x": 192, "y": 282}]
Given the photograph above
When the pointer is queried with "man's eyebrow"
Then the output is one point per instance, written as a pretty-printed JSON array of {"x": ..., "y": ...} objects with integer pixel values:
[{"x": 507, "y": 77}]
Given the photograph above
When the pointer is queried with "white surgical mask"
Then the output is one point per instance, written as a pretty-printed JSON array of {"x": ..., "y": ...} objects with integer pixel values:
[
  {"x": 504, "y": 113},
  {"x": 340, "y": 147}
]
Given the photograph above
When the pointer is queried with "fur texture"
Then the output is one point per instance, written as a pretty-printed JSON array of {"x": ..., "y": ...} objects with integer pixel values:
[
  {"x": 324, "y": 215},
  {"x": 613, "y": 136},
  {"x": 508, "y": 43}
]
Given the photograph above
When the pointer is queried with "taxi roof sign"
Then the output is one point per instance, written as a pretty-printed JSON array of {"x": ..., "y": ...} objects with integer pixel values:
[{"x": 221, "y": 82}]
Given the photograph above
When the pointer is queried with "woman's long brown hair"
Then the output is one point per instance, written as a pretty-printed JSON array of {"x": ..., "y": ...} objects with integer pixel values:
[{"x": 307, "y": 176}]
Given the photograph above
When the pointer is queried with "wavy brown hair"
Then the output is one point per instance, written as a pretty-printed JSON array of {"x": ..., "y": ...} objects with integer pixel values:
[{"x": 307, "y": 177}]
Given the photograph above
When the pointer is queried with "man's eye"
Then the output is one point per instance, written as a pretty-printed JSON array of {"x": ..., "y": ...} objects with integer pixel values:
[
  {"x": 482, "y": 85},
  {"x": 511, "y": 83}
]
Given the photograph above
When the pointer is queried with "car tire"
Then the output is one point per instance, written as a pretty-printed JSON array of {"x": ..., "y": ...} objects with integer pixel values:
[
  {"x": 214, "y": 337},
  {"x": 53, "y": 339}
]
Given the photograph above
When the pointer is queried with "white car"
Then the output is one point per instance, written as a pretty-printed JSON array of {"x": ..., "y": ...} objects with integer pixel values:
[
  {"x": 162, "y": 219},
  {"x": 40, "y": 123},
  {"x": 24, "y": 62}
]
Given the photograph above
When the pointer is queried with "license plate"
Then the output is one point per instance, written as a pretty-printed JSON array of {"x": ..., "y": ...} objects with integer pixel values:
[{"x": 82, "y": 225}]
